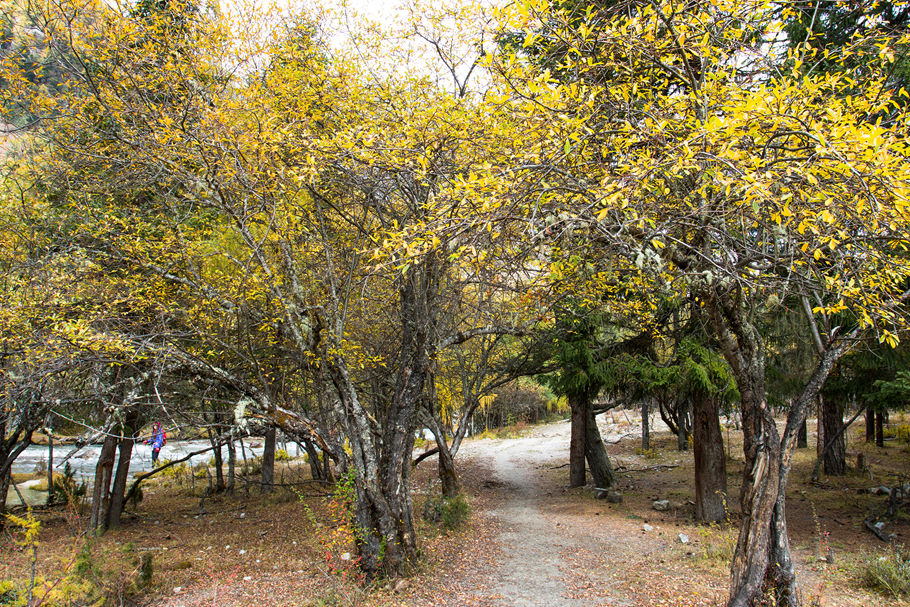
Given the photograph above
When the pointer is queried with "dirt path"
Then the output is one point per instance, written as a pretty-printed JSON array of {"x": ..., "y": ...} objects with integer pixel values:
[{"x": 537, "y": 539}]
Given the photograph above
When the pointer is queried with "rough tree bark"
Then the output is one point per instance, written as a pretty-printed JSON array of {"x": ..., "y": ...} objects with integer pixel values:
[
  {"x": 379, "y": 463},
  {"x": 116, "y": 502},
  {"x": 834, "y": 446},
  {"x": 880, "y": 428},
  {"x": 578, "y": 439},
  {"x": 447, "y": 475},
  {"x": 5, "y": 478},
  {"x": 762, "y": 560},
  {"x": 313, "y": 460},
  {"x": 710, "y": 461},
  {"x": 802, "y": 439},
  {"x": 215, "y": 441},
  {"x": 596, "y": 454},
  {"x": 870, "y": 425},
  {"x": 125, "y": 442},
  {"x": 50, "y": 463},
  {"x": 645, "y": 426},
  {"x": 232, "y": 463},
  {"x": 268, "y": 461},
  {"x": 13, "y": 441},
  {"x": 101, "y": 489}
]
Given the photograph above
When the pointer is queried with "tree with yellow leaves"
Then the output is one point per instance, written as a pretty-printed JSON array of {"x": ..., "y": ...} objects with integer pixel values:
[
  {"x": 681, "y": 145},
  {"x": 257, "y": 189}
]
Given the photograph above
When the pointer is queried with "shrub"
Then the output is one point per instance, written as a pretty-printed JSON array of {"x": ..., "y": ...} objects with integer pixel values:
[
  {"x": 254, "y": 465},
  {"x": 717, "y": 545},
  {"x": 66, "y": 489},
  {"x": 451, "y": 513},
  {"x": 901, "y": 433},
  {"x": 282, "y": 455},
  {"x": 420, "y": 442},
  {"x": 888, "y": 572},
  {"x": 112, "y": 577}
]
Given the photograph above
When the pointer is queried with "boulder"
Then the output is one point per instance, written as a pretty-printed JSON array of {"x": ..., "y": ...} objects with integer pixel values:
[{"x": 661, "y": 505}]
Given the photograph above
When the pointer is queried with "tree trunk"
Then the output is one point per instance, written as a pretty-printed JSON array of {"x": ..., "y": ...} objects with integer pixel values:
[
  {"x": 762, "y": 559},
  {"x": 447, "y": 476},
  {"x": 268, "y": 461},
  {"x": 835, "y": 449},
  {"x": 5, "y": 478},
  {"x": 219, "y": 461},
  {"x": 10, "y": 448},
  {"x": 115, "y": 506},
  {"x": 103, "y": 471},
  {"x": 313, "y": 460},
  {"x": 645, "y": 426},
  {"x": 50, "y": 466},
  {"x": 126, "y": 441},
  {"x": 388, "y": 542},
  {"x": 802, "y": 439},
  {"x": 870, "y": 425},
  {"x": 577, "y": 441},
  {"x": 880, "y": 428},
  {"x": 232, "y": 463},
  {"x": 710, "y": 461},
  {"x": 328, "y": 469},
  {"x": 598, "y": 461},
  {"x": 744, "y": 351},
  {"x": 683, "y": 425}
]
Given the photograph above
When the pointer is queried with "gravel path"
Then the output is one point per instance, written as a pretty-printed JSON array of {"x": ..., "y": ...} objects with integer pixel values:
[{"x": 536, "y": 570}]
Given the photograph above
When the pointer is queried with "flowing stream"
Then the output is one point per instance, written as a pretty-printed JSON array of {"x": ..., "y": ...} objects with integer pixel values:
[{"x": 82, "y": 463}]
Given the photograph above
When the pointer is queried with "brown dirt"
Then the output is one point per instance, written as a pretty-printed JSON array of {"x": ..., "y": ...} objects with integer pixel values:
[{"x": 531, "y": 541}]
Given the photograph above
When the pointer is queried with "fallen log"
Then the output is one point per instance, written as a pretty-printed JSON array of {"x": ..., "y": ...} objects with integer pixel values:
[
  {"x": 878, "y": 532},
  {"x": 141, "y": 477}
]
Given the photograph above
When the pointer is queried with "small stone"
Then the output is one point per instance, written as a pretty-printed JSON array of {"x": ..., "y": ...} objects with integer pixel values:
[
  {"x": 243, "y": 552},
  {"x": 879, "y": 525},
  {"x": 683, "y": 538},
  {"x": 611, "y": 495},
  {"x": 346, "y": 556},
  {"x": 247, "y": 578},
  {"x": 177, "y": 589},
  {"x": 661, "y": 505},
  {"x": 647, "y": 527},
  {"x": 228, "y": 547},
  {"x": 243, "y": 515}
]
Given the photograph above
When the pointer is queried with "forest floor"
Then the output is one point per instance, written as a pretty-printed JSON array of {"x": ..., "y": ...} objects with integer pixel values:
[{"x": 530, "y": 540}]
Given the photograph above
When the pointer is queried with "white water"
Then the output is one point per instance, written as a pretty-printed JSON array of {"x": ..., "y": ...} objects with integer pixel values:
[{"x": 82, "y": 463}]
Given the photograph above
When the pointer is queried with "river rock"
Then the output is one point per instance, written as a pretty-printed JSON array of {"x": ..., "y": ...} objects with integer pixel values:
[
  {"x": 611, "y": 495},
  {"x": 661, "y": 505}
]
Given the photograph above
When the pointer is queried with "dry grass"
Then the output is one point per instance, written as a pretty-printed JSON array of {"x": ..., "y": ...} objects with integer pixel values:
[{"x": 253, "y": 549}]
